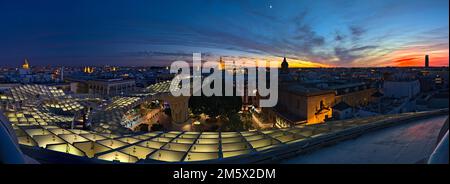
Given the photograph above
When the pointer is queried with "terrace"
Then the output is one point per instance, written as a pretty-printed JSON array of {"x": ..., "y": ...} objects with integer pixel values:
[
  {"x": 176, "y": 146},
  {"x": 39, "y": 134}
]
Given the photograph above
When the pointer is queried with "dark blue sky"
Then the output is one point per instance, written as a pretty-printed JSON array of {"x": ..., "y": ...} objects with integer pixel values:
[{"x": 308, "y": 32}]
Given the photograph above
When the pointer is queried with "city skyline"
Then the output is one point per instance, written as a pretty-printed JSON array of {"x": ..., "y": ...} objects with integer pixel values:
[{"x": 309, "y": 34}]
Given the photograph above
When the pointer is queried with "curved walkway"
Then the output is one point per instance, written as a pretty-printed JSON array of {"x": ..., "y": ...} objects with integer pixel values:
[{"x": 404, "y": 144}]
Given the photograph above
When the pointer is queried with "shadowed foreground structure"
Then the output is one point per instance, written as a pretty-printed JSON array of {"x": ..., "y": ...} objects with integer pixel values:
[
  {"x": 404, "y": 144},
  {"x": 51, "y": 144}
]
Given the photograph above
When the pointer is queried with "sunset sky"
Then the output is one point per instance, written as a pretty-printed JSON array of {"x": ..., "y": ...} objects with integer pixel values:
[{"x": 310, "y": 33}]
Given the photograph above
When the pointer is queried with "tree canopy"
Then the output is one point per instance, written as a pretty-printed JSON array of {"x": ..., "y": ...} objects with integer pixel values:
[{"x": 215, "y": 105}]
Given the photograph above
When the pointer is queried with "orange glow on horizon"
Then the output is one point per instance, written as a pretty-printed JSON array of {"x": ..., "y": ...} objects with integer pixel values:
[
  {"x": 420, "y": 61},
  {"x": 296, "y": 63},
  {"x": 293, "y": 63},
  {"x": 414, "y": 57}
]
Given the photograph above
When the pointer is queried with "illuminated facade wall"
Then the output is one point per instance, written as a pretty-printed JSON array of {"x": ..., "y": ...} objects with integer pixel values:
[
  {"x": 315, "y": 108},
  {"x": 319, "y": 108}
]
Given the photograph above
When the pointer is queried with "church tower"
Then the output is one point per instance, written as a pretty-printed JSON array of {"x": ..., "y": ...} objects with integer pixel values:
[
  {"x": 25, "y": 70},
  {"x": 221, "y": 64},
  {"x": 26, "y": 65},
  {"x": 284, "y": 66}
]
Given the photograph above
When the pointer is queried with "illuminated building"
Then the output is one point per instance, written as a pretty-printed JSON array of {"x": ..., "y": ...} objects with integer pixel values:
[
  {"x": 221, "y": 64},
  {"x": 99, "y": 86},
  {"x": 88, "y": 70},
  {"x": 110, "y": 87},
  {"x": 26, "y": 65},
  {"x": 111, "y": 68},
  {"x": 25, "y": 70},
  {"x": 438, "y": 80},
  {"x": 309, "y": 104}
]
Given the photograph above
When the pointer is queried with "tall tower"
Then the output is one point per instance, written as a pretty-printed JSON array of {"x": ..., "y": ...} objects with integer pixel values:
[
  {"x": 221, "y": 64},
  {"x": 284, "y": 66},
  {"x": 427, "y": 61}
]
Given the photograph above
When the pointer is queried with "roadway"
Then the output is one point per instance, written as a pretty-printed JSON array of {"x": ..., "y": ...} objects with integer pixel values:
[{"x": 403, "y": 144}]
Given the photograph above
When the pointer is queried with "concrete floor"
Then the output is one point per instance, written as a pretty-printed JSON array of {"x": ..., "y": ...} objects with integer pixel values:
[{"x": 404, "y": 144}]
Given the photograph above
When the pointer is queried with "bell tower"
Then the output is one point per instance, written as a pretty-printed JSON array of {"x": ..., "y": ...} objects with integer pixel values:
[{"x": 284, "y": 66}]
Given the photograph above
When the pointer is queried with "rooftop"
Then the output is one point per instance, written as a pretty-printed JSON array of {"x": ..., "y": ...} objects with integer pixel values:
[
  {"x": 341, "y": 106},
  {"x": 306, "y": 91}
]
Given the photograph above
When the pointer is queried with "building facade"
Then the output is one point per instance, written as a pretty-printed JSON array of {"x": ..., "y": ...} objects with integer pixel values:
[
  {"x": 355, "y": 94},
  {"x": 111, "y": 87},
  {"x": 308, "y": 105},
  {"x": 401, "y": 88}
]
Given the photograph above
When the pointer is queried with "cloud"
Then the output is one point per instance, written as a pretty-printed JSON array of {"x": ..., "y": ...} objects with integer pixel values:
[
  {"x": 355, "y": 49},
  {"x": 348, "y": 56},
  {"x": 404, "y": 60},
  {"x": 157, "y": 53},
  {"x": 356, "y": 32},
  {"x": 338, "y": 36},
  {"x": 248, "y": 29},
  {"x": 308, "y": 38}
]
